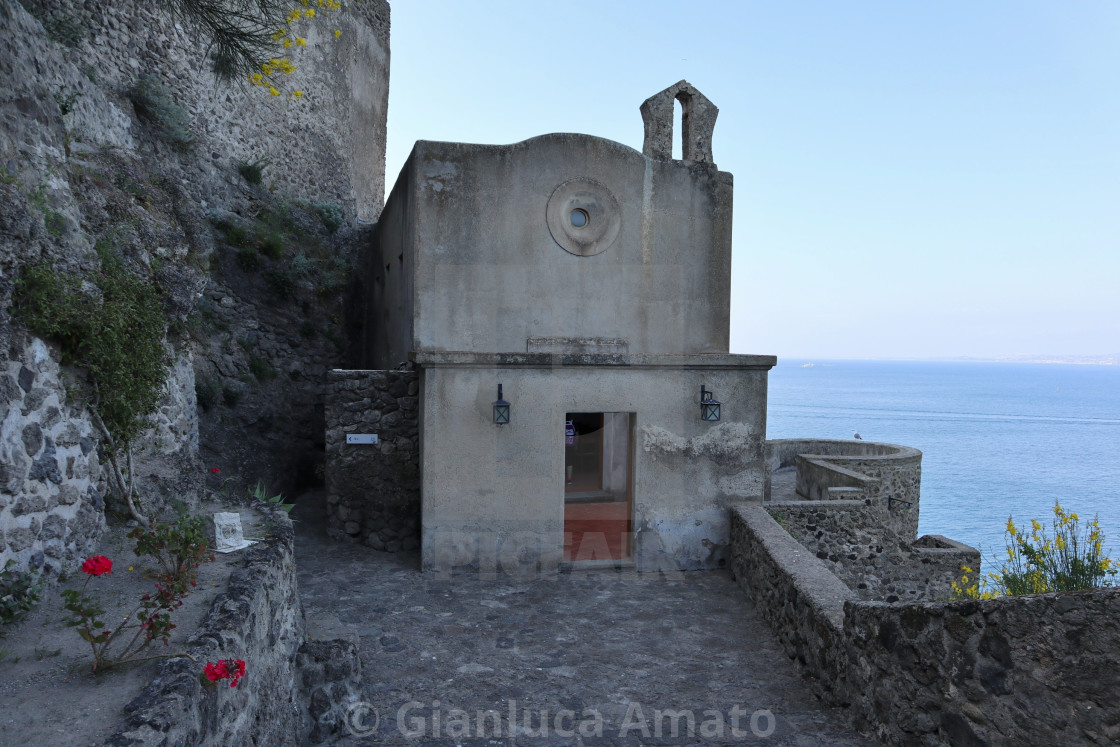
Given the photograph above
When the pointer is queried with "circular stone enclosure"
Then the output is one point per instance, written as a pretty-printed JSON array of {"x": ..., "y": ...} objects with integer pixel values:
[{"x": 583, "y": 217}]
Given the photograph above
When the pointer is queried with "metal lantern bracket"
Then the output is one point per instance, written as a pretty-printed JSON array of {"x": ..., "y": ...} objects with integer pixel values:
[
  {"x": 501, "y": 409},
  {"x": 709, "y": 406}
]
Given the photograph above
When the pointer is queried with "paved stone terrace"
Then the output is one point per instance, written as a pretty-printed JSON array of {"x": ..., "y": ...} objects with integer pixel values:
[{"x": 603, "y": 641}]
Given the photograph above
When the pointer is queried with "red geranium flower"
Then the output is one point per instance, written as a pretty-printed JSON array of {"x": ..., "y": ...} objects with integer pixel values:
[
  {"x": 215, "y": 470},
  {"x": 238, "y": 672},
  {"x": 98, "y": 565},
  {"x": 223, "y": 669}
]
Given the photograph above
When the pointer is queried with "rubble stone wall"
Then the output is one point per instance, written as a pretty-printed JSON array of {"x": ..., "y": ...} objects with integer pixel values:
[
  {"x": 293, "y": 692},
  {"x": 51, "y": 511},
  {"x": 1038, "y": 669},
  {"x": 373, "y": 491}
]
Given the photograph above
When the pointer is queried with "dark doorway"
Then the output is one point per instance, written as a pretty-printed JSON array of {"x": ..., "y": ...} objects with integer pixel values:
[{"x": 597, "y": 486}]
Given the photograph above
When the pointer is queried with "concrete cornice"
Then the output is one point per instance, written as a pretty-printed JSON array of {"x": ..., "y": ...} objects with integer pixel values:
[{"x": 465, "y": 359}]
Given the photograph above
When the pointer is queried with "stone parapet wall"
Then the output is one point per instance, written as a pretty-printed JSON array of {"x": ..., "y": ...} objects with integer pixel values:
[
  {"x": 849, "y": 537},
  {"x": 258, "y": 619},
  {"x": 373, "y": 491},
  {"x": 888, "y": 476},
  {"x": 289, "y": 694},
  {"x": 797, "y": 595},
  {"x": 1039, "y": 669},
  {"x": 51, "y": 510}
]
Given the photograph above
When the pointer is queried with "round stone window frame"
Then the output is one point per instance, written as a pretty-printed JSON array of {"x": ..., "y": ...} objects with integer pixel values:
[{"x": 604, "y": 217}]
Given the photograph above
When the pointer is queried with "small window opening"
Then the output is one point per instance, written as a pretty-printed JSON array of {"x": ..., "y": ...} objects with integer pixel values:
[
  {"x": 580, "y": 218},
  {"x": 678, "y": 130}
]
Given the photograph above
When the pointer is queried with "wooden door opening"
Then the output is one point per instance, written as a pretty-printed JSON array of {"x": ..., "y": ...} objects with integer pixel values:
[{"x": 597, "y": 485}]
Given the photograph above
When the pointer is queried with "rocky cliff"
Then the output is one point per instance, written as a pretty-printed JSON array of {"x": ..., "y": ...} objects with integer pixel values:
[{"x": 242, "y": 209}]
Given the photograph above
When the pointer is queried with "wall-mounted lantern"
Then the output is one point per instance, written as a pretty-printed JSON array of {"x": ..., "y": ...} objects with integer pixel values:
[
  {"x": 709, "y": 407},
  {"x": 501, "y": 409}
]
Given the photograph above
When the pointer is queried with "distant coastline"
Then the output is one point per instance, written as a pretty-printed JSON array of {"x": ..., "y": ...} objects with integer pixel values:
[
  {"x": 1066, "y": 360},
  {"x": 1063, "y": 360}
]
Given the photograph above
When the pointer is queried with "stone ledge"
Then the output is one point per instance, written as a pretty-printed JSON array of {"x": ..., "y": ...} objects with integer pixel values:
[{"x": 434, "y": 358}]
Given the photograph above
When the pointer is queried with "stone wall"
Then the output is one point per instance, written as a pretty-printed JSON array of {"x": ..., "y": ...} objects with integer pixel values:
[
  {"x": 851, "y": 538},
  {"x": 1040, "y": 669},
  {"x": 373, "y": 491},
  {"x": 888, "y": 475},
  {"x": 257, "y": 619},
  {"x": 51, "y": 511},
  {"x": 797, "y": 595}
]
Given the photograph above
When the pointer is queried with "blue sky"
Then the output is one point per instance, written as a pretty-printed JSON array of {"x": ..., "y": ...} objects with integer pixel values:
[{"x": 912, "y": 180}]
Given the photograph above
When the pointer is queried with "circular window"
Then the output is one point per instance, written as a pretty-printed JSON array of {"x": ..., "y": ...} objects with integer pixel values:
[{"x": 583, "y": 217}]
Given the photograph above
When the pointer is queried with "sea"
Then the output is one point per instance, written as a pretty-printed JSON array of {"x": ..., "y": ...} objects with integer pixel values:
[{"x": 998, "y": 440}]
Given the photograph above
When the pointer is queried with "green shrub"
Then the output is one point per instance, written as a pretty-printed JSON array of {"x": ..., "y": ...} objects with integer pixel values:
[
  {"x": 301, "y": 266},
  {"x": 231, "y": 396},
  {"x": 282, "y": 281},
  {"x": 206, "y": 391},
  {"x": 253, "y": 172},
  {"x": 179, "y": 548},
  {"x": 55, "y": 222},
  {"x": 235, "y": 234},
  {"x": 332, "y": 278},
  {"x": 260, "y": 368},
  {"x": 66, "y": 101},
  {"x": 1070, "y": 560},
  {"x": 60, "y": 27},
  {"x": 248, "y": 258},
  {"x": 156, "y": 103},
  {"x": 65, "y": 30},
  {"x": 19, "y": 591},
  {"x": 116, "y": 335},
  {"x": 330, "y": 213},
  {"x": 270, "y": 241}
]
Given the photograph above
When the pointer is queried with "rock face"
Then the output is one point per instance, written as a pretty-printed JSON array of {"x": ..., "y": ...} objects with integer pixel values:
[{"x": 252, "y": 274}]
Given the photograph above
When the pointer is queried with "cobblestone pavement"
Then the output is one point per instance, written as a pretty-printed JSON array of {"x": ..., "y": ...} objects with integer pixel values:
[{"x": 585, "y": 658}]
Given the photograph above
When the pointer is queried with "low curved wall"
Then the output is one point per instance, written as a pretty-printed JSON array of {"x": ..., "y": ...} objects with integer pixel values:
[
  {"x": 781, "y": 452},
  {"x": 887, "y": 477}
]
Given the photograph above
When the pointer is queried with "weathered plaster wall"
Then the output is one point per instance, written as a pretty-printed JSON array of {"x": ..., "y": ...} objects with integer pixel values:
[
  {"x": 1037, "y": 669},
  {"x": 381, "y": 322},
  {"x": 494, "y": 496},
  {"x": 489, "y": 275},
  {"x": 373, "y": 491}
]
